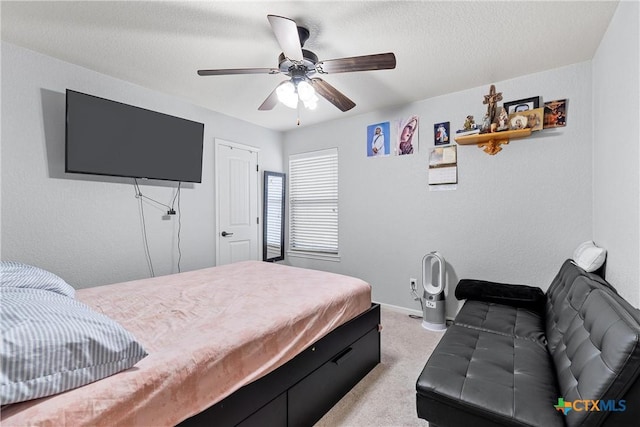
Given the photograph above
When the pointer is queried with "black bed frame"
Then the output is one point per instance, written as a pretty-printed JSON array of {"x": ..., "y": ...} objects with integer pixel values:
[{"x": 300, "y": 392}]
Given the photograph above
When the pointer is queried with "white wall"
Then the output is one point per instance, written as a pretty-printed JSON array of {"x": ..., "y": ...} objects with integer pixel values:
[
  {"x": 88, "y": 228},
  {"x": 515, "y": 216},
  {"x": 616, "y": 176}
]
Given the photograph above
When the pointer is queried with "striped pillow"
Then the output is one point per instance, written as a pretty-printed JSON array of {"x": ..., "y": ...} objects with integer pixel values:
[
  {"x": 52, "y": 343},
  {"x": 18, "y": 275}
]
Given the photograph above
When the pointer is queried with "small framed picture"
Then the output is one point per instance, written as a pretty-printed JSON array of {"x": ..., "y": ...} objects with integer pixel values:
[
  {"x": 517, "y": 121},
  {"x": 441, "y": 133},
  {"x": 407, "y": 135},
  {"x": 378, "y": 140},
  {"x": 522, "y": 105},
  {"x": 555, "y": 114},
  {"x": 535, "y": 118}
]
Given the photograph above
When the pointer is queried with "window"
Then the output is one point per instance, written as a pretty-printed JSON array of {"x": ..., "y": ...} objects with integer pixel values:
[{"x": 313, "y": 203}]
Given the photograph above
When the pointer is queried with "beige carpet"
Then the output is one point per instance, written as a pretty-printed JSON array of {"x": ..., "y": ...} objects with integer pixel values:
[{"x": 386, "y": 396}]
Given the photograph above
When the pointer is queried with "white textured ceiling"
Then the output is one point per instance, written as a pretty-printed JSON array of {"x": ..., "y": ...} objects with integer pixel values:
[{"x": 440, "y": 47}]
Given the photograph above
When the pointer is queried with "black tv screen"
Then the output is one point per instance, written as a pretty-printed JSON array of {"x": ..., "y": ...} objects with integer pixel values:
[{"x": 105, "y": 137}]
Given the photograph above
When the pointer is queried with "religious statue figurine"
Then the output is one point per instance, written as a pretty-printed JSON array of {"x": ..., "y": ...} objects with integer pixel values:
[
  {"x": 503, "y": 119},
  {"x": 469, "y": 124},
  {"x": 469, "y": 128},
  {"x": 486, "y": 124},
  {"x": 491, "y": 99}
]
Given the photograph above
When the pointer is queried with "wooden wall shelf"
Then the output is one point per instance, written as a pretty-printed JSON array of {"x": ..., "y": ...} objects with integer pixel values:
[{"x": 491, "y": 142}]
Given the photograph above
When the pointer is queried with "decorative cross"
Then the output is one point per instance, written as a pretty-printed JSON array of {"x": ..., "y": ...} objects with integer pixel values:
[{"x": 491, "y": 99}]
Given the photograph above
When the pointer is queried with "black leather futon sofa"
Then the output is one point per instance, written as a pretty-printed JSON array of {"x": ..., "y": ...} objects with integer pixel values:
[{"x": 515, "y": 356}]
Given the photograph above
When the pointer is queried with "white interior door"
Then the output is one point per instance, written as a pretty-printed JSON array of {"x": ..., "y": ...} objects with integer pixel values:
[{"x": 237, "y": 178}]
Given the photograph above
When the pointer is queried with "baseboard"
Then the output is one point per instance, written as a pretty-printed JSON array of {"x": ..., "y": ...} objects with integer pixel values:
[
  {"x": 404, "y": 310},
  {"x": 399, "y": 309}
]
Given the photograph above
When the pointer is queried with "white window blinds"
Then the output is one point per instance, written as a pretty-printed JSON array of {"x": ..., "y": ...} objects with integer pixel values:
[{"x": 313, "y": 202}]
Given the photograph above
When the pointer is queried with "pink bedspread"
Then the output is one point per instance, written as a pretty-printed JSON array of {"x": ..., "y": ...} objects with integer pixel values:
[{"x": 208, "y": 333}]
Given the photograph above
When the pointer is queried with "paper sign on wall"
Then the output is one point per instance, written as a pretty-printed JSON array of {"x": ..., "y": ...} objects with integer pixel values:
[{"x": 443, "y": 168}]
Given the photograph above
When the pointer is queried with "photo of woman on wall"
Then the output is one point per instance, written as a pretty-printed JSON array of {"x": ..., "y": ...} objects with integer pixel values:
[
  {"x": 378, "y": 140},
  {"x": 407, "y": 141}
]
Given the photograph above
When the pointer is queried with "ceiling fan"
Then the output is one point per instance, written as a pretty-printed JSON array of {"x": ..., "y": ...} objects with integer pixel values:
[{"x": 302, "y": 65}]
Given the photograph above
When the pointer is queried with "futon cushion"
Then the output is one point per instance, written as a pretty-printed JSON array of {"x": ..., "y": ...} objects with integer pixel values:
[
  {"x": 558, "y": 301},
  {"x": 598, "y": 356},
  {"x": 501, "y": 293},
  {"x": 480, "y": 378},
  {"x": 503, "y": 319}
]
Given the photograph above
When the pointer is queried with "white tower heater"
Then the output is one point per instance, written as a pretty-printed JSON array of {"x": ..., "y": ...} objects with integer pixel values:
[{"x": 433, "y": 302}]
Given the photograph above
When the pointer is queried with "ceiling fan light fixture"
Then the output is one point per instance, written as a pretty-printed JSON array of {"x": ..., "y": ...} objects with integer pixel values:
[
  {"x": 287, "y": 94},
  {"x": 311, "y": 103},
  {"x": 306, "y": 92},
  {"x": 291, "y": 92}
]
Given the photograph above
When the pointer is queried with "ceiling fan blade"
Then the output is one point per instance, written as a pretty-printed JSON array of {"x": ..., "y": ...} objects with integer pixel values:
[
  {"x": 332, "y": 94},
  {"x": 271, "y": 101},
  {"x": 286, "y": 32},
  {"x": 228, "y": 71},
  {"x": 380, "y": 61}
]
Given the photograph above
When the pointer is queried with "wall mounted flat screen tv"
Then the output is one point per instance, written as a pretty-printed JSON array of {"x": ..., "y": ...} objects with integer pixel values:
[{"x": 105, "y": 137}]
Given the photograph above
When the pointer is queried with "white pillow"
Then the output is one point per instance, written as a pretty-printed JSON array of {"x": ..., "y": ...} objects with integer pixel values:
[
  {"x": 589, "y": 257},
  {"x": 52, "y": 343},
  {"x": 19, "y": 275}
]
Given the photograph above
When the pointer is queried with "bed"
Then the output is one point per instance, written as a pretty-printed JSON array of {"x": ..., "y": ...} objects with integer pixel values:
[{"x": 250, "y": 343}]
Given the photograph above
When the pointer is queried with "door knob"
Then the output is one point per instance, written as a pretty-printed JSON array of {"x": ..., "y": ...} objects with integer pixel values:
[{"x": 225, "y": 234}]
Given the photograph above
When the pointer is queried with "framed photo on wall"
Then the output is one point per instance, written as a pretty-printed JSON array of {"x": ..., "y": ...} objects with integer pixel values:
[
  {"x": 555, "y": 114},
  {"x": 522, "y": 105},
  {"x": 378, "y": 140},
  {"x": 407, "y": 135},
  {"x": 535, "y": 118},
  {"x": 441, "y": 133}
]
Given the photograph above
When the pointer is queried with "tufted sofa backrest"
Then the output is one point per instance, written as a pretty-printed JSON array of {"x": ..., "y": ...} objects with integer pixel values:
[
  {"x": 594, "y": 340},
  {"x": 557, "y": 301}
]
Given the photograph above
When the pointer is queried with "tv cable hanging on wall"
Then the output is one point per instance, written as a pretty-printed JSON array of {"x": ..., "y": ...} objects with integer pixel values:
[{"x": 170, "y": 211}]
